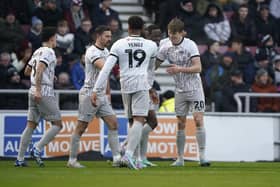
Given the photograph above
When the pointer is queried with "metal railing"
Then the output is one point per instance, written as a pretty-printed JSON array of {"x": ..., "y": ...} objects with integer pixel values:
[
  {"x": 57, "y": 92},
  {"x": 248, "y": 95}
]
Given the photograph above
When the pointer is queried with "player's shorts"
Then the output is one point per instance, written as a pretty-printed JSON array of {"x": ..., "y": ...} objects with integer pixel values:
[
  {"x": 193, "y": 101},
  {"x": 87, "y": 111},
  {"x": 136, "y": 104},
  {"x": 47, "y": 108}
]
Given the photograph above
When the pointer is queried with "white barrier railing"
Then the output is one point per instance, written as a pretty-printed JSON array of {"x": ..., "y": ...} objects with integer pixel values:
[{"x": 248, "y": 95}]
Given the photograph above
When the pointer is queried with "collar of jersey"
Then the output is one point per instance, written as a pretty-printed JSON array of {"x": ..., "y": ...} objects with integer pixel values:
[{"x": 179, "y": 42}]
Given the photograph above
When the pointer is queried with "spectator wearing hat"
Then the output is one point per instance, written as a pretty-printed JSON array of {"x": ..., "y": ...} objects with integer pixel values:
[
  {"x": 236, "y": 84},
  {"x": 266, "y": 23},
  {"x": 262, "y": 62},
  {"x": 11, "y": 34},
  {"x": 243, "y": 26},
  {"x": 276, "y": 65},
  {"x": 35, "y": 34},
  {"x": 102, "y": 14},
  {"x": 48, "y": 13},
  {"x": 75, "y": 15},
  {"x": 215, "y": 24},
  {"x": 267, "y": 46},
  {"x": 263, "y": 84}
]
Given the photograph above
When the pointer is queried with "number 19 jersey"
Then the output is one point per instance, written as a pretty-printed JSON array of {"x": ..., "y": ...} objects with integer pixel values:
[{"x": 134, "y": 56}]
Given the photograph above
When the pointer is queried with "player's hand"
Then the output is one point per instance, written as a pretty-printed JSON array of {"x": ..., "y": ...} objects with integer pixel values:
[
  {"x": 94, "y": 99},
  {"x": 154, "y": 96},
  {"x": 37, "y": 96},
  {"x": 173, "y": 69}
]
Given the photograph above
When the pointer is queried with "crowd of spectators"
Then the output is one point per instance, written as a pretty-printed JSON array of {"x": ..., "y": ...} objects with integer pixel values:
[{"x": 238, "y": 40}]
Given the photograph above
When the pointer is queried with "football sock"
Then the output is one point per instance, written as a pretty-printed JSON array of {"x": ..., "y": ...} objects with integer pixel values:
[
  {"x": 201, "y": 136},
  {"x": 181, "y": 139},
  {"x": 113, "y": 140},
  {"x": 48, "y": 136},
  {"x": 134, "y": 137},
  {"x": 144, "y": 140},
  {"x": 74, "y": 147},
  {"x": 24, "y": 142}
]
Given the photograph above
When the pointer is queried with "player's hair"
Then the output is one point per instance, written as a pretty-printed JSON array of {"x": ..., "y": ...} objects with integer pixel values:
[
  {"x": 135, "y": 23},
  {"x": 47, "y": 33},
  {"x": 152, "y": 27},
  {"x": 175, "y": 25},
  {"x": 101, "y": 28}
]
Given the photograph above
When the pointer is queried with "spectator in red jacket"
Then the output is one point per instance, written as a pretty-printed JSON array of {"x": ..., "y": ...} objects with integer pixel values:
[{"x": 263, "y": 84}]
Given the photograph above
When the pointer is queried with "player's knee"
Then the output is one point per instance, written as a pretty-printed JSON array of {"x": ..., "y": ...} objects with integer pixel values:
[
  {"x": 113, "y": 126},
  {"x": 198, "y": 119},
  {"x": 58, "y": 124}
]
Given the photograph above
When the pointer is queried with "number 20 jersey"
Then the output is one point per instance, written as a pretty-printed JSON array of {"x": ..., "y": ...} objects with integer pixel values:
[{"x": 134, "y": 55}]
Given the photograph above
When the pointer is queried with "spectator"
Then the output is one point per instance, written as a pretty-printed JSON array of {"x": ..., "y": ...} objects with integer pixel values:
[
  {"x": 114, "y": 82},
  {"x": 243, "y": 58},
  {"x": 255, "y": 6},
  {"x": 48, "y": 13},
  {"x": 12, "y": 101},
  {"x": 64, "y": 39},
  {"x": 32, "y": 5},
  {"x": 18, "y": 7},
  {"x": 168, "y": 102},
  {"x": 11, "y": 34},
  {"x": 75, "y": 15},
  {"x": 60, "y": 65},
  {"x": 211, "y": 56},
  {"x": 236, "y": 85},
  {"x": 274, "y": 8},
  {"x": 78, "y": 73},
  {"x": 5, "y": 64},
  {"x": 203, "y": 4},
  {"x": 228, "y": 66},
  {"x": 192, "y": 20},
  {"x": 266, "y": 24},
  {"x": 216, "y": 26},
  {"x": 263, "y": 84},
  {"x": 262, "y": 62},
  {"x": 102, "y": 14},
  {"x": 116, "y": 31},
  {"x": 66, "y": 101},
  {"x": 243, "y": 27},
  {"x": 276, "y": 62},
  {"x": 35, "y": 33},
  {"x": 267, "y": 46},
  {"x": 82, "y": 37}
]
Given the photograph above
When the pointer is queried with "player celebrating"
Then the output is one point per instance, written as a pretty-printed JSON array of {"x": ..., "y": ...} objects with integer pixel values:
[
  {"x": 42, "y": 101},
  {"x": 94, "y": 61},
  {"x": 183, "y": 55},
  {"x": 134, "y": 54}
]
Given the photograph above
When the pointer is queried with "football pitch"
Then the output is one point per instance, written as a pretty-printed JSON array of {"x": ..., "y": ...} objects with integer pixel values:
[{"x": 100, "y": 173}]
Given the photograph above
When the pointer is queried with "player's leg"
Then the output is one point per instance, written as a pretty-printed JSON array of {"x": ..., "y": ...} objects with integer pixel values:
[
  {"x": 136, "y": 105},
  {"x": 151, "y": 123},
  {"x": 113, "y": 138},
  {"x": 85, "y": 115},
  {"x": 24, "y": 142},
  {"x": 200, "y": 137},
  {"x": 49, "y": 110},
  {"x": 181, "y": 109},
  {"x": 74, "y": 144}
]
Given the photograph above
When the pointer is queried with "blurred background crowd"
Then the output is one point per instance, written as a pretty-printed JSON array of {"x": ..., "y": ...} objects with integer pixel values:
[{"x": 238, "y": 41}]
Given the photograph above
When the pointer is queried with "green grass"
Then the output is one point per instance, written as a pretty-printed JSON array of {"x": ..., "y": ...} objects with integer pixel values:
[{"x": 100, "y": 173}]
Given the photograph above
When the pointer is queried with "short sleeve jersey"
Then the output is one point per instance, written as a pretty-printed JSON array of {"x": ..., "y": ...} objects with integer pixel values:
[
  {"x": 47, "y": 56},
  {"x": 134, "y": 55},
  {"x": 181, "y": 55},
  {"x": 93, "y": 53}
]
